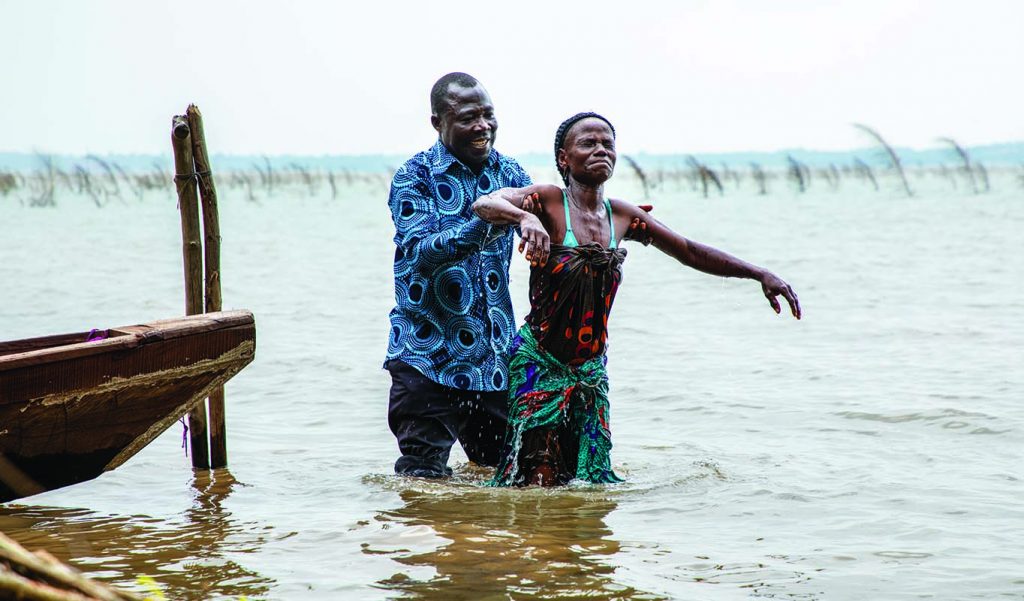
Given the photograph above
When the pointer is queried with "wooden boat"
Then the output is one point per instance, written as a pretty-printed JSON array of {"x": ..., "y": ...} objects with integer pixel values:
[{"x": 73, "y": 406}]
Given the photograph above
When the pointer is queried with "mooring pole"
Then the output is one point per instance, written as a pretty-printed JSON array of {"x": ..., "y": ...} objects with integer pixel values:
[
  {"x": 211, "y": 262},
  {"x": 192, "y": 251}
]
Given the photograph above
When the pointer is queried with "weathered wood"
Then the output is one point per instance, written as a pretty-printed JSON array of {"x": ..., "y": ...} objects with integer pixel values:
[
  {"x": 188, "y": 203},
  {"x": 42, "y": 577},
  {"x": 211, "y": 218},
  {"x": 59, "y": 377},
  {"x": 218, "y": 429},
  {"x": 179, "y": 127},
  {"x": 40, "y": 351},
  {"x": 211, "y": 263},
  {"x": 24, "y": 346},
  {"x": 67, "y": 415},
  {"x": 67, "y": 346}
]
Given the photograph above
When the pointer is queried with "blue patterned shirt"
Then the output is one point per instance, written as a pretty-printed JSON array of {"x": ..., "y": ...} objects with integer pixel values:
[{"x": 453, "y": 317}]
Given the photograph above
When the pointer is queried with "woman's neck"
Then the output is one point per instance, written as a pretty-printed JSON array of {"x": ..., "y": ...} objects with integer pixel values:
[{"x": 586, "y": 196}]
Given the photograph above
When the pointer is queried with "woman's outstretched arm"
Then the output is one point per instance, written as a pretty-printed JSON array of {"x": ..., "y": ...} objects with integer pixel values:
[{"x": 709, "y": 259}]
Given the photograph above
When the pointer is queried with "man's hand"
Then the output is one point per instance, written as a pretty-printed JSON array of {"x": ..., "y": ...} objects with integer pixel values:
[
  {"x": 773, "y": 286},
  {"x": 535, "y": 240},
  {"x": 638, "y": 227},
  {"x": 531, "y": 203}
]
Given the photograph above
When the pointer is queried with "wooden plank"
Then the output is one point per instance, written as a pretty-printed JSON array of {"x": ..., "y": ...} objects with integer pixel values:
[
  {"x": 14, "y": 347},
  {"x": 44, "y": 401},
  {"x": 70, "y": 351},
  {"x": 185, "y": 326},
  {"x": 127, "y": 337}
]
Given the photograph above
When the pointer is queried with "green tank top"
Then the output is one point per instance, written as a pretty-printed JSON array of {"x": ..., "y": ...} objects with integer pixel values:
[{"x": 570, "y": 238}]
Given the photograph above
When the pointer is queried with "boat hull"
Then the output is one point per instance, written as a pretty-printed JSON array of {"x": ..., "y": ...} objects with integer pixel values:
[{"x": 70, "y": 411}]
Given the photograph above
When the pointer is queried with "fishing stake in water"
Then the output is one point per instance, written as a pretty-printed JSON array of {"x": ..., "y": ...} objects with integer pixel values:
[{"x": 202, "y": 258}]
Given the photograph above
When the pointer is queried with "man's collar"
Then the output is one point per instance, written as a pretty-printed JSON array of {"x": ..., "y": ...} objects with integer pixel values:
[{"x": 441, "y": 159}]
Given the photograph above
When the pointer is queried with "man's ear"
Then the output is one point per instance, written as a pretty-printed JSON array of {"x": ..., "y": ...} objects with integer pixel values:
[{"x": 435, "y": 121}]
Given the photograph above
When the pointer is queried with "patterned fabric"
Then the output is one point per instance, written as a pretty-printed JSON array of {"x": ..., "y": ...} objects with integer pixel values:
[
  {"x": 453, "y": 317},
  {"x": 570, "y": 299},
  {"x": 548, "y": 395},
  {"x": 558, "y": 389}
]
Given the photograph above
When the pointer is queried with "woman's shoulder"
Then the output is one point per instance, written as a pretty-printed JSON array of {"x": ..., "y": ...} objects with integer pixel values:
[
  {"x": 548, "y": 195},
  {"x": 624, "y": 207},
  {"x": 545, "y": 190}
]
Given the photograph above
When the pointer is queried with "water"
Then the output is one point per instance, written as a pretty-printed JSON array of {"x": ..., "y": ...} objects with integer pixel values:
[{"x": 870, "y": 451}]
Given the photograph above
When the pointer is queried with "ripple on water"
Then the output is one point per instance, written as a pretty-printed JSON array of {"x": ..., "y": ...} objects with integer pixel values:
[
  {"x": 721, "y": 411},
  {"x": 947, "y": 419},
  {"x": 193, "y": 555}
]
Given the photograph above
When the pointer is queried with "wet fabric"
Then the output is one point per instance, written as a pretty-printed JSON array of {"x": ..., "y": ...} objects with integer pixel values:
[
  {"x": 558, "y": 386},
  {"x": 427, "y": 418},
  {"x": 570, "y": 299},
  {"x": 550, "y": 398}
]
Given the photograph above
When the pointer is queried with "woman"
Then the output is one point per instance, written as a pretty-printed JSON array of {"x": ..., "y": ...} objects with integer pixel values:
[{"x": 558, "y": 386}]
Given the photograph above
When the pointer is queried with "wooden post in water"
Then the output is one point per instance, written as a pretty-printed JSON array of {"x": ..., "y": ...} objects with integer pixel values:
[
  {"x": 211, "y": 256},
  {"x": 192, "y": 251}
]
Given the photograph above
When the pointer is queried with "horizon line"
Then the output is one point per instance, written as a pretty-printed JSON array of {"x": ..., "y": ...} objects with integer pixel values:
[{"x": 803, "y": 149}]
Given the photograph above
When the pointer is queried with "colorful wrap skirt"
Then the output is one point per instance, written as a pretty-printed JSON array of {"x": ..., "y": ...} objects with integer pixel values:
[{"x": 546, "y": 395}]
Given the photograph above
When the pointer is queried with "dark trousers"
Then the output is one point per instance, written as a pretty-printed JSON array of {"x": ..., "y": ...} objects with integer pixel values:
[{"x": 427, "y": 418}]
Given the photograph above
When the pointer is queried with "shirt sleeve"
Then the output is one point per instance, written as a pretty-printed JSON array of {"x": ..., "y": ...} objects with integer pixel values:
[
  {"x": 417, "y": 227},
  {"x": 524, "y": 178}
]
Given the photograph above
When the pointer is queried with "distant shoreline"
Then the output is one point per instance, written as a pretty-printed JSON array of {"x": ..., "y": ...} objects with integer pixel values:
[{"x": 995, "y": 155}]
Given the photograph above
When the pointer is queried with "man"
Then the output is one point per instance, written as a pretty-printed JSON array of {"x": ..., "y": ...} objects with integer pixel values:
[{"x": 453, "y": 321}]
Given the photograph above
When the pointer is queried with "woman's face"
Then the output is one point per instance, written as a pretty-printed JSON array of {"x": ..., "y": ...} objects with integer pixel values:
[{"x": 589, "y": 151}]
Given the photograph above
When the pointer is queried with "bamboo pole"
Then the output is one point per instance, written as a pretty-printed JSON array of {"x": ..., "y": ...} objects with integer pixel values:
[
  {"x": 211, "y": 262},
  {"x": 968, "y": 168},
  {"x": 40, "y": 576},
  {"x": 894, "y": 158},
  {"x": 184, "y": 179}
]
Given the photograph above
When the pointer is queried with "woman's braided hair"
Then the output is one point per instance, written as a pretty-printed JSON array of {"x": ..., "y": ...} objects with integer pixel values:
[{"x": 564, "y": 129}]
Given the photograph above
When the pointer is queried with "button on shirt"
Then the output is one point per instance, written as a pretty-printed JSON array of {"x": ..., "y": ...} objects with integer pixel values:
[{"x": 453, "y": 317}]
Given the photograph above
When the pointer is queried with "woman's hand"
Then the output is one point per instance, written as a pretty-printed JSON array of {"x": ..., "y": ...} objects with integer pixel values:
[
  {"x": 534, "y": 239},
  {"x": 772, "y": 286}
]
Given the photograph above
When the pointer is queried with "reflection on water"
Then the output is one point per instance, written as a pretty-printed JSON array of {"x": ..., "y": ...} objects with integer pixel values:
[
  {"x": 886, "y": 422},
  {"x": 502, "y": 544},
  {"x": 186, "y": 555}
]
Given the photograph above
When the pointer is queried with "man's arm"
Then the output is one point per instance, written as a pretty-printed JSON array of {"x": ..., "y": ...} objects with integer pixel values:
[
  {"x": 518, "y": 205},
  {"x": 503, "y": 206},
  {"x": 709, "y": 259},
  {"x": 417, "y": 225}
]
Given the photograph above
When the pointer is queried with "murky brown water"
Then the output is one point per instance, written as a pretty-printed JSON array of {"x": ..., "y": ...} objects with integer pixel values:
[{"x": 871, "y": 451}]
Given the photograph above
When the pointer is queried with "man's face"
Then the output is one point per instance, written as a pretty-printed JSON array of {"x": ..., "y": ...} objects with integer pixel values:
[{"x": 467, "y": 124}]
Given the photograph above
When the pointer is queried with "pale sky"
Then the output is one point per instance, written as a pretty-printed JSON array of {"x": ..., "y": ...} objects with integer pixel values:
[{"x": 354, "y": 77}]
